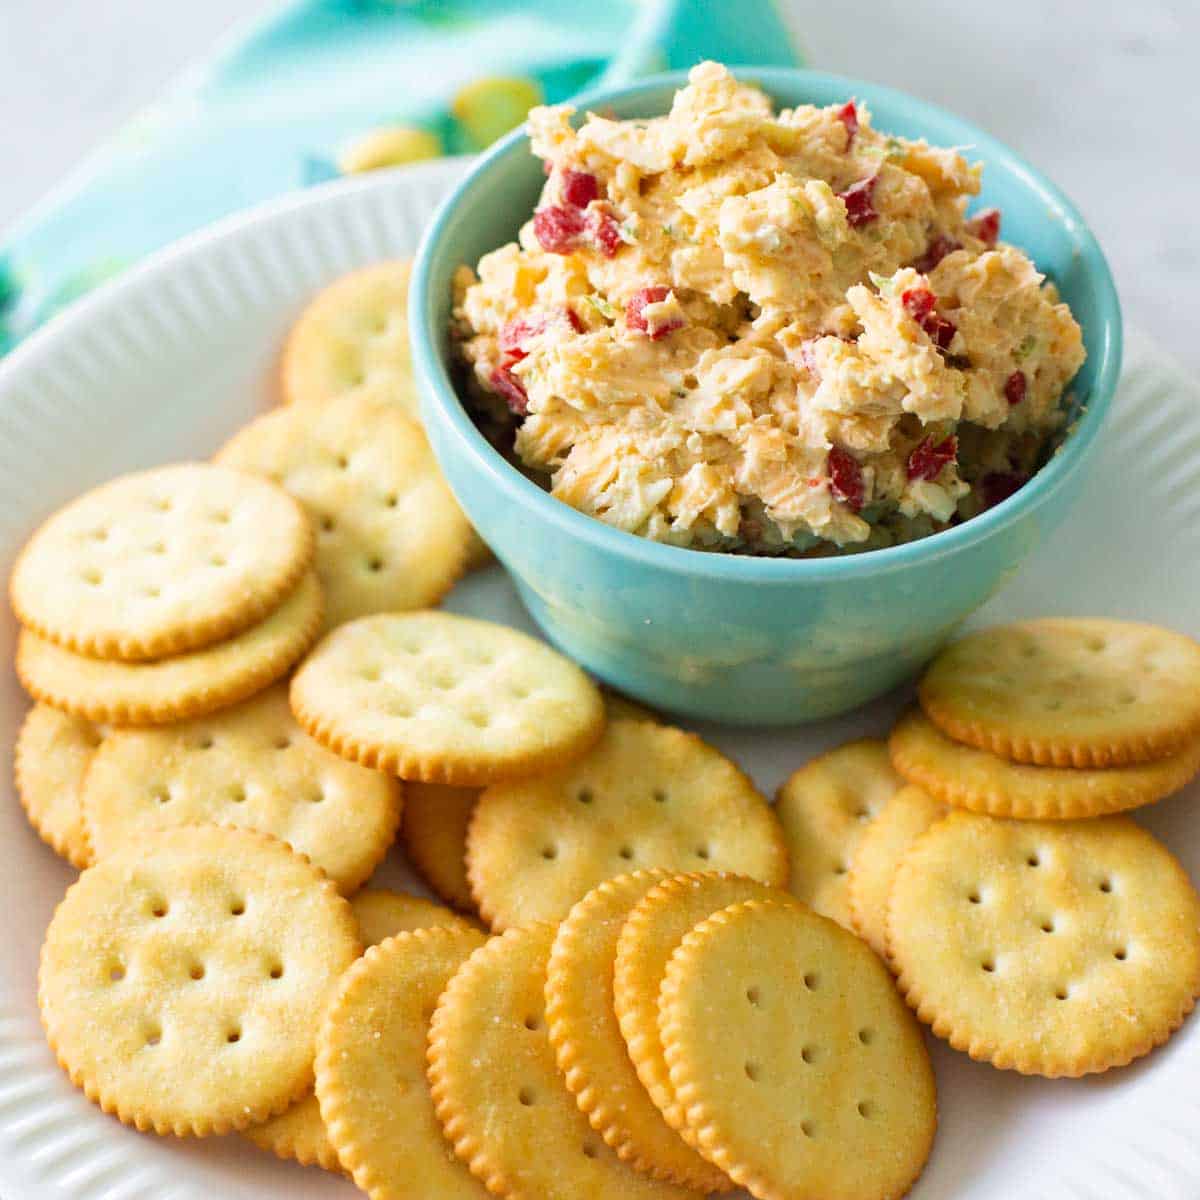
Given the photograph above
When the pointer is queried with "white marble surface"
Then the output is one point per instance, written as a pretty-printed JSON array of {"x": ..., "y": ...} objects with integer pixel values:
[{"x": 1100, "y": 95}]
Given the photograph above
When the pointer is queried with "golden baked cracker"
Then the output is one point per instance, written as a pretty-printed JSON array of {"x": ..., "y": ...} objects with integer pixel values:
[
  {"x": 436, "y": 818},
  {"x": 390, "y": 535},
  {"x": 370, "y": 1068},
  {"x": 299, "y": 1133},
  {"x": 161, "y": 562},
  {"x": 382, "y": 913},
  {"x": 441, "y": 698},
  {"x": 824, "y": 809},
  {"x": 1068, "y": 692},
  {"x": 621, "y": 708},
  {"x": 173, "y": 689},
  {"x": 985, "y": 783},
  {"x": 496, "y": 1088},
  {"x": 434, "y": 834},
  {"x": 352, "y": 339},
  {"x": 587, "y": 1040},
  {"x": 903, "y": 819},
  {"x": 51, "y": 758},
  {"x": 251, "y": 766},
  {"x": 647, "y": 939},
  {"x": 798, "y": 1069},
  {"x": 182, "y": 978},
  {"x": 645, "y": 796},
  {"x": 1049, "y": 948}
]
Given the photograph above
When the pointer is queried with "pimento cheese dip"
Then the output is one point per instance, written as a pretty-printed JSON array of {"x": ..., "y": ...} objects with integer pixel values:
[{"x": 772, "y": 334}]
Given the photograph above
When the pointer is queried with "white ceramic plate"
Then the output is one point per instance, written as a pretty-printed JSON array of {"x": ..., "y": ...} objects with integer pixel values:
[{"x": 170, "y": 360}]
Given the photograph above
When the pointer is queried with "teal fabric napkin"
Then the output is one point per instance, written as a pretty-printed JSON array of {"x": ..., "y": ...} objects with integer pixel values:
[{"x": 320, "y": 88}]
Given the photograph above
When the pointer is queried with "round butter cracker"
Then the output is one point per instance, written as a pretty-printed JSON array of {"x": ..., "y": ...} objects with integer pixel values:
[
  {"x": 824, "y": 809},
  {"x": 251, "y": 766},
  {"x": 370, "y": 1069},
  {"x": 648, "y": 938},
  {"x": 1068, "y": 692},
  {"x": 587, "y": 1039},
  {"x": 983, "y": 782},
  {"x": 390, "y": 535},
  {"x": 1048, "y": 948},
  {"x": 434, "y": 834},
  {"x": 183, "y": 977},
  {"x": 173, "y": 689},
  {"x": 645, "y": 796},
  {"x": 162, "y": 562},
  {"x": 903, "y": 819},
  {"x": 352, "y": 340},
  {"x": 799, "y": 1071},
  {"x": 439, "y": 698},
  {"x": 299, "y": 1133},
  {"x": 51, "y": 760},
  {"x": 497, "y": 1090}
]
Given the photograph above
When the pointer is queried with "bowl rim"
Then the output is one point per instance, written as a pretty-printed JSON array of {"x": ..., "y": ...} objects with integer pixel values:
[{"x": 440, "y": 396}]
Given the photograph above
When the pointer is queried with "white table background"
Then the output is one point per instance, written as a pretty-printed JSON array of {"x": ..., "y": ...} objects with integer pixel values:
[{"x": 1101, "y": 95}]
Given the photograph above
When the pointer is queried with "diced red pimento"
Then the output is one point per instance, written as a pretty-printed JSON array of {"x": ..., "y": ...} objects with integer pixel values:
[
  {"x": 857, "y": 199},
  {"x": 558, "y": 229},
  {"x": 848, "y": 115},
  {"x": 635, "y": 313},
  {"x": 921, "y": 304},
  {"x": 928, "y": 459},
  {"x": 516, "y": 335},
  {"x": 985, "y": 225},
  {"x": 846, "y": 478},
  {"x": 605, "y": 231},
  {"x": 1014, "y": 387},
  {"x": 579, "y": 188},
  {"x": 506, "y": 384},
  {"x": 998, "y": 486},
  {"x": 935, "y": 252}
]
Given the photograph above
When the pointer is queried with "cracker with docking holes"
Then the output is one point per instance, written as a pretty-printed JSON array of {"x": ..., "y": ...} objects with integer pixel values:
[
  {"x": 173, "y": 689},
  {"x": 183, "y": 977},
  {"x": 824, "y": 809},
  {"x": 299, "y": 1133},
  {"x": 983, "y": 782},
  {"x": 907, "y": 815},
  {"x": 497, "y": 1091},
  {"x": 645, "y": 796},
  {"x": 434, "y": 834},
  {"x": 250, "y": 766},
  {"x": 1049, "y": 948},
  {"x": 1068, "y": 692},
  {"x": 51, "y": 759},
  {"x": 441, "y": 698},
  {"x": 352, "y": 340},
  {"x": 161, "y": 562},
  {"x": 799, "y": 1071},
  {"x": 648, "y": 938},
  {"x": 436, "y": 818},
  {"x": 587, "y": 1040},
  {"x": 371, "y": 1062},
  {"x": 390, "y": 535}
]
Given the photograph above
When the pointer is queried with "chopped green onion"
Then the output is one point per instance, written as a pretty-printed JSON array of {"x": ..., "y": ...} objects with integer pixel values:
[
  {"x": 883, "y": 283},
  {"x": 602, "y": 306}
]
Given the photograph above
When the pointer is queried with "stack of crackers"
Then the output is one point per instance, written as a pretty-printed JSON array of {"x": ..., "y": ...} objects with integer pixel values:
[
  {"x": 979, "y": 854},
  {"x": 645, "y": 979}
]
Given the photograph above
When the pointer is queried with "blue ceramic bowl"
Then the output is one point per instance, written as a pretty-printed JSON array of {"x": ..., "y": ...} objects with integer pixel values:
[{"x": 746, "y": 640}]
